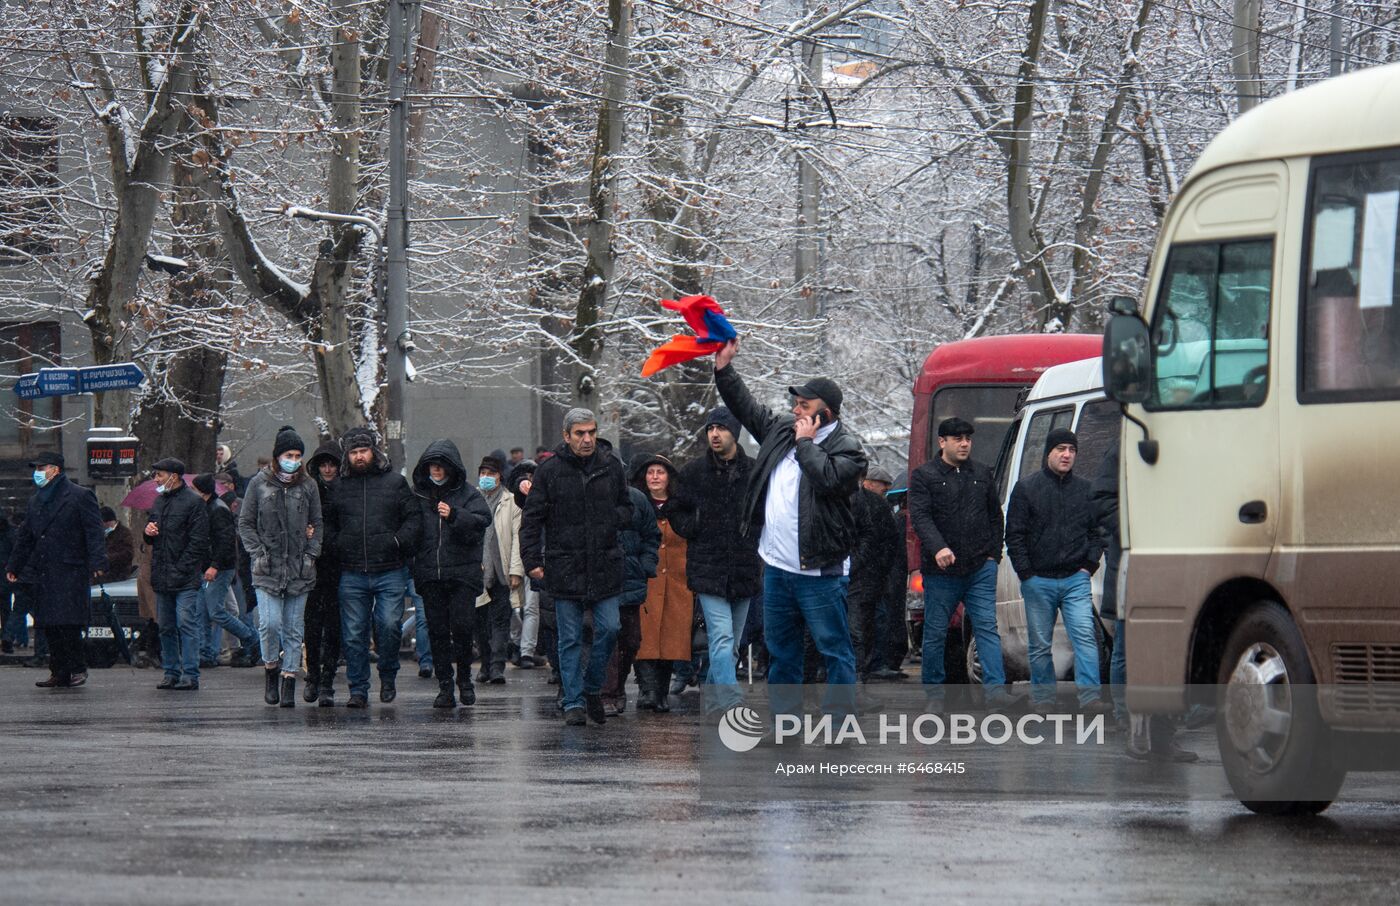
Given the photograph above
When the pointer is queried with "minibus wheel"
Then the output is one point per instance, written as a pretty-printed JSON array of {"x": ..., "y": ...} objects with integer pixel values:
[{"x": 1275, "y": 748}]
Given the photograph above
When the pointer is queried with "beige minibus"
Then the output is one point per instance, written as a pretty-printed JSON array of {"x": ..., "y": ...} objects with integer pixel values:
[{"x": 1260, "y": 482}]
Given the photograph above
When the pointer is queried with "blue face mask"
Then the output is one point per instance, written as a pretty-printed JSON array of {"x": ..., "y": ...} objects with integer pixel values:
[
  {"x": 486, "y": 482},
  {"x": 438, "y": 481},
  {"x": 108, "y": 530},
  {"x": 161, "y": 489},
  {"x": 289, "y": 465},
  {"x": 41, "y": 478}
]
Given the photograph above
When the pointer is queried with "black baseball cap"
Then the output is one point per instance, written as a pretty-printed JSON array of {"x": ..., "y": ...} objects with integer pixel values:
[{"x": 821, "y": 388}]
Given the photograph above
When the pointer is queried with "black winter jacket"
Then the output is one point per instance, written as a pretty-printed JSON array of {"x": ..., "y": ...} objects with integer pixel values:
[
  {"x": 641, "y": 540},
  {"x": 955, "y": 507},
  {"x": 1051, "y": 527},
  {"x": 573, "y": 518},
  {"x": 449, "y": 549},
  {"x": 879, "y": 545},
  {"x": 706, "y": 511},
  {"x": 57, "y": 549},
  {"x": 375, "y": 518},
  {"x": 327, "y": 566},
  {"x": 223, "y": 536},
  {"x": 831, "y": 472},
  {"x": 1105, "y": 497},
  {"x": 180, "y": 553}
]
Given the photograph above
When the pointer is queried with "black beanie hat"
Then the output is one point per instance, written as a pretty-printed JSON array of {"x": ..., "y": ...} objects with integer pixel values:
[
  {"x": 287, "y": 439},
  {"x": 357, "y": 438},
  {"x": 204, "y": 483},
  {"x": 108, "y": 514},
  {"x": 1060, "y": 436},
  {"x": 720, "y": 415}
]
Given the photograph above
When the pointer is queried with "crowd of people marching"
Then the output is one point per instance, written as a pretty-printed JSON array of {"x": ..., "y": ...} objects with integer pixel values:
[{"x": 571, "y": 561}]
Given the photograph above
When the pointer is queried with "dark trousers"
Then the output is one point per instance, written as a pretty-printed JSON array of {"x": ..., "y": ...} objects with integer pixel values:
[
  {"x": 629, "y": 640},
  {"x": 861, "y": 605},
  {"x": 451, "y": 613},
  {"x": 322, "y": 640},
  {"x": 493, "y": 630},
  {"x": 548, "y": 640},
  {"x": 66, "y": 655}
]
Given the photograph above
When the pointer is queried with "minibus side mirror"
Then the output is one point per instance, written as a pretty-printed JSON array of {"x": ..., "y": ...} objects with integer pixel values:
[
  {"x": 1126, "y": 358},
  {"x": 1122, "y": 305}
]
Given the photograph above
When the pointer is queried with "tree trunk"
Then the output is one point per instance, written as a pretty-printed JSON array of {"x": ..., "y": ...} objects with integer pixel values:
[
  {"x": 1244, "y": 55},
  {"x": 598, "y": 233}
]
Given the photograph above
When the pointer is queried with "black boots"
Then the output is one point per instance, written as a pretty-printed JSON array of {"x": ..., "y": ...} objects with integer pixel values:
[
  {"x": 465, "y": 690},
  {"x": 445, "y": 699},
  {"x": 387, "y": 692},
  {"x": 663, "y": 683},
  {"x": 593, "y": 707},
  {"x": 289, "y": 691},
  {"x": 312, "y": 690},
  {"x": 646, "y": 681},
  {"x": 270, "y": 694}
]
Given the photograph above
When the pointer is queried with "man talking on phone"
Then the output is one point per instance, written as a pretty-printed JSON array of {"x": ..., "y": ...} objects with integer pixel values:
[{"x": 799, "y": 499}]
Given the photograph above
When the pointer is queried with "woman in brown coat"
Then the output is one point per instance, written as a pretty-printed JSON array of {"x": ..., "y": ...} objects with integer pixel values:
[{"x": 667, "y": 612}]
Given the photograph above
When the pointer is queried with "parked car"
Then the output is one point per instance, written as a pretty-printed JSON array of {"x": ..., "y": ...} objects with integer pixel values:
[{"x": 125, "y": 612}]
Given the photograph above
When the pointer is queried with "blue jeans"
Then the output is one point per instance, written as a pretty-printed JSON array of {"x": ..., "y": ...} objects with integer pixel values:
[
  {"x": 181, "y": 618},
  {"x": 217, "y": 617},
  {"x": 421, "y": 647},
  {"x": 791, "y": 600},
  {"x": 724, "y": 620},
  {"x": 1073, "y": 599},
  {"x": 573, "y": 679},
  {"x": 1118, "y": 670},
  {"x": 281, "y": 625},
  {"x": 363, "y": 595},
  {"x": 978, "y": 593}
]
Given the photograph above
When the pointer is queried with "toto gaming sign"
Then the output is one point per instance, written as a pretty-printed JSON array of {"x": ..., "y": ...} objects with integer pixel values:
[{"x": 112, "y": 458}]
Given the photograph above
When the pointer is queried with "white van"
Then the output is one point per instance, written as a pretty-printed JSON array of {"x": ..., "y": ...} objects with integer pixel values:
[
  {"x": 1066, "y": 396},
  {"x": 1260, "y": 485}
]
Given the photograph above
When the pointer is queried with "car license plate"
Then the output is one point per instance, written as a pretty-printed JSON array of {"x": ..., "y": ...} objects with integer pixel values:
[{"x": 100, "y": 632}]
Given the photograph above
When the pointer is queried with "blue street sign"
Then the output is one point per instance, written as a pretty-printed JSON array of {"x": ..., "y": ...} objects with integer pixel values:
[
  {"x": 58, "y": 381},
  {"x": 121, "y": 376},
  {"x": 27, "y": 387},
  {"x": 92, "y": 379}
]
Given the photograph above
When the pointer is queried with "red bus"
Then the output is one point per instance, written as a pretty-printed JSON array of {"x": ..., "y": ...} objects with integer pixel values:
[{"x": 982, "y": 380}]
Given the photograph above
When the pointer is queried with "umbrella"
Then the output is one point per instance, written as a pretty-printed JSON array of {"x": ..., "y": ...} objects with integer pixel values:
[{"x": 143, "y": 496}]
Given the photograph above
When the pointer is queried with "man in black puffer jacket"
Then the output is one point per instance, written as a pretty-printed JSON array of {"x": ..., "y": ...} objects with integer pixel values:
[
  {"x": 1055, "y": 542},
  {"x": 375, "y": 522},
  {"x": 219, "y": 574},
  {"x": 722, "y": 565},
  {"x": 447, "y": 565},
  {"x": 799, "y": 491},
  {"x": 570, "y": 538}
]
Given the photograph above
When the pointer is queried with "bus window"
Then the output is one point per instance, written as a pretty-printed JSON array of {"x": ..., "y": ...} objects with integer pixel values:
[
  {"x": 1210, "y": 332},
  {"x": 1003, "y": 466},
  {"x": 990, "y": 408},
  {"x": 1351, "y": 330},
  {"x": 1042, "y": 423},
  {"x": 1097, "y": 431}
]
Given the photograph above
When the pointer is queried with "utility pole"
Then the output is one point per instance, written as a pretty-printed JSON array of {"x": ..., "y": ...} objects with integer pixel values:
[
  {"x": 807, "y": 258},
  {"x": 400, "y": 342},
  {"x": 1337, "y": 56}
]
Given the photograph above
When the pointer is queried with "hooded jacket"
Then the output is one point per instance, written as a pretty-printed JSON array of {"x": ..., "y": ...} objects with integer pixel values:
[
  {"x": 375, "y": 517},
  {"x": 327, "y": 565},
  {"x": 1052, "y": 529},
  {"x": 272, "y": 525},
  {"x": 449, "y": 549},
  {"x": 573, "y": 520},
  {"x": 720, "y": 559},
  {"x": 831, "y": 472},
  {"x": 223, "y": 536}
]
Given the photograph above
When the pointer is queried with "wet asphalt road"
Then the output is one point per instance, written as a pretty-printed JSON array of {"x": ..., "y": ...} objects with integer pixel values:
[{"x": 116, "y": 792}]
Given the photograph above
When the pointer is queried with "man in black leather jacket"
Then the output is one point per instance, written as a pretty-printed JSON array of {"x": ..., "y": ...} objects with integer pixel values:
[{"x": 799, "y": 499}]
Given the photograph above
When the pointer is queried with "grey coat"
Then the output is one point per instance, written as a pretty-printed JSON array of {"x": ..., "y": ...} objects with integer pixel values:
[{"x": 272, "y": 525}]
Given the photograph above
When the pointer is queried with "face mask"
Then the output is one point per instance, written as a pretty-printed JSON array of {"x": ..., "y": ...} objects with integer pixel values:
[
  {"x": 438, "y": 481},
  {"x": 161, "y": 489},
  {"x": 486, "y": 483},
  {"x": 289, "y": 465},
  {"x": 108, "y": 531},
  {"x": 41, "y": 478}
]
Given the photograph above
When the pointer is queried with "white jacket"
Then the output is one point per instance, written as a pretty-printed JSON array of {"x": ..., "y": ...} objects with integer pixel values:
[{"x": 506, "y": 528}]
